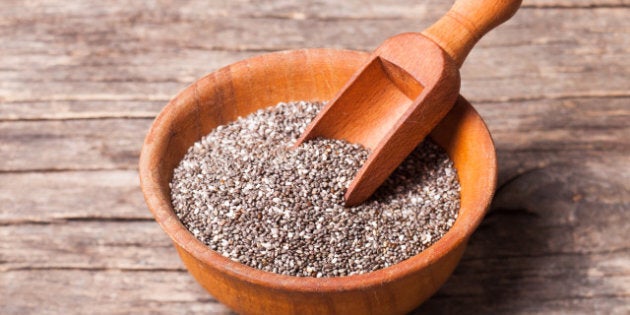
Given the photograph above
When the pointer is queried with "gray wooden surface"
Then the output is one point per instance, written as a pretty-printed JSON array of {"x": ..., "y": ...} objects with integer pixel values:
[{"x": 81, "y": 81}]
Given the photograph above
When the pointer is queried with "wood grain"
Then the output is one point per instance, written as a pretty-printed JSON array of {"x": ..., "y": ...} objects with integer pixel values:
[
  {"x": 504, "y": 277},
  {"x": 77, "y": 291},
  {"x": 80, "y": 144},
  {"x": 60, "y": 195},
  {"x": 87, "y": 144},
  {"x": 556, "y": 102},
  {"x": 563, "y": 225},
  {"x": 540, "y": 58},
  {"x": 93, "y": 243}
]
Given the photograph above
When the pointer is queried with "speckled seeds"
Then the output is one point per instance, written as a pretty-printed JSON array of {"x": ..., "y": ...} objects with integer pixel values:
[{"x": 245, "y": 193}]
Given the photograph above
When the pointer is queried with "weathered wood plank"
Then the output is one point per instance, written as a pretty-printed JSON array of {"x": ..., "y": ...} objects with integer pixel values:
[
  {"x": 537, "y": 242},
  {"x": 71, "y": 144},
  {"x": 571, "y": 208},
  {"x": 307, "y": 9},
  {"x": 527, "y": 227},
  {"x": 49, "y": 197},
  {"x": 536, "y": 253},
  {"x": 104, "y": 292},
  {"x": 563, "y": 222},
  {"x": 164, "y": 292},
  {"x": 558, "y": 284},
  {"x": 536, "y": 134},
  {"x": 541, "y": 53},
  {"x": 575, "y": 4},
  {"x": 82, "y": 81},
  {"x": 597, "y": 124},
  {"x": 558, "y": 125},
  {"x": 64, "y": 107},
  {"x": 35, "y": 197},
  {"x": 554, "y": 242},
  {"x": 80, "y": 39},
  {"x": 87, "y": 244},
  {"x": 285, "y": 9}
]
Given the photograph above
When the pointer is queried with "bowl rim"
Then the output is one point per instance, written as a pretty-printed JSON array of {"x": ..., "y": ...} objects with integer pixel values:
[{"x": 162, "y": 210}]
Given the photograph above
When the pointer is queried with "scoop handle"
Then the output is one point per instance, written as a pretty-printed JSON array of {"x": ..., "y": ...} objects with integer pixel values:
[{"x": 466, "y": 22}]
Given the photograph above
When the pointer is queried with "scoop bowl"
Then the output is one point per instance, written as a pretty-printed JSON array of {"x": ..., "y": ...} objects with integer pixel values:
[{"x": 314, "y": 75}]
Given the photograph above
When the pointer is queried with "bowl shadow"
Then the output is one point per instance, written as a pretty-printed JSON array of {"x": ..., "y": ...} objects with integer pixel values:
[{"x": 511, "y": 248}]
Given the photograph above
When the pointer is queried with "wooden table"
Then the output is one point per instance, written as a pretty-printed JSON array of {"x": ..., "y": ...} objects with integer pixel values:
[{"x": 80, "y": 83}]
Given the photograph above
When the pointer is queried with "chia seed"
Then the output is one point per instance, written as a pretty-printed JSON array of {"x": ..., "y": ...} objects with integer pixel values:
[{"x": 249, "y": 196}]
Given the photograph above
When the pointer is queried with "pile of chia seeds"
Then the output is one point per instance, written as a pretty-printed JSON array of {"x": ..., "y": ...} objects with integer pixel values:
[{"x": 244, "y": 192}]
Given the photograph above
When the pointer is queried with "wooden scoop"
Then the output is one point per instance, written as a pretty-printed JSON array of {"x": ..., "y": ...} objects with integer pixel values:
[{"x": 408, "y": 85}]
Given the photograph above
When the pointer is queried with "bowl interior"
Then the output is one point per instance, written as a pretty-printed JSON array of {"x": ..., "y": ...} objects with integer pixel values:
[{"x": 314, "y": 75}]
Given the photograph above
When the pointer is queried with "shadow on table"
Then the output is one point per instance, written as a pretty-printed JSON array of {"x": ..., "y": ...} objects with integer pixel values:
[{"x": 507, "y": 257}]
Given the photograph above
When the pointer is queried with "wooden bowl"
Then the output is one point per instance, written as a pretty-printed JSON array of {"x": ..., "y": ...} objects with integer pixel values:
[{"x": 314, "y": 74}]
